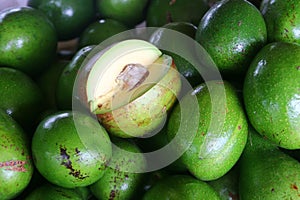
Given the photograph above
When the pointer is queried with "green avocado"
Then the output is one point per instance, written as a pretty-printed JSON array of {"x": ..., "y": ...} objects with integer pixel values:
[
  {"x": 216, "y": 140},
  {"x": 266, "y": 172},
  {"x": 178, "y": 187},
  {"x": 161, "y": 12},
  {"x": 232, "y": 31},
  {"x": 66, "y": 80},
  {"x": 70, "y": 149},
  {"x": 122, "y": 178},
  {"x": 27, "y": 40},
  {"x": 282, "y": 19},
  {"x": 20, "y": 97},
  {"x": 53, "y": 192},
  {"x": 16, "y": 167},
  {"x": 129, "y": 12},
  {"x": 99, "y": 31},
  {"x": 272, "y": 93},
  {"x": 68, "y": 16}
]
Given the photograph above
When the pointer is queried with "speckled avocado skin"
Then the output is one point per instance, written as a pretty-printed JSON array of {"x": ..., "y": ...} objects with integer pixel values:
[
  {"x": 266, "y": 172},
  {"x": 221, "y": 130},
  {"x": 181, "y": 187},
  {"x": 27, "y": 40},
  {"x": 62, "y": 156},
  {"x": 232, "y": 31},
  {"x": 272, "y": 94},
  {"x": 282, "y": 19},
  {"x": 16, "y": 167}
]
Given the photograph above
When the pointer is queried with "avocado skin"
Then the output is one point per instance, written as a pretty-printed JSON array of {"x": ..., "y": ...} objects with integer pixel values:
[
  {"x": 178, "y": 187},
  {"x": 232, "y": 31},
  {"x": 217, "y": 146},
  {"x": 161, "y": 12},
  {"x": 16, "y": 167},
  {"x": 266, "y": 172},
  {"x": 69, "y": 17},
  {"x": 271, "y": 94},
  {"x": 282, "y": 20},
  {"x": 27, "y": 40}
]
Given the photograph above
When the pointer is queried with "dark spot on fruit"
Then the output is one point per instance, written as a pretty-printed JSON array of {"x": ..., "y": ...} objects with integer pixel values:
[
  {"x": 77, "y": 151},
  {"x": 14, "y": 165},
  {"x": 239, "y": 23},
  {"x": 239, "y": 127},
  {"x": 272, "y": 190},
  {"x": 294, "y": 187},
  {"x": 112, "y": 194}
]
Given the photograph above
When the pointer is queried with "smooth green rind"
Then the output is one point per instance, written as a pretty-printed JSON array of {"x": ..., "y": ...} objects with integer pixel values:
[
  {"x": 69, "y": 17},
  {"x": 179, "y": 187},
  {"x": 221, "y": 134},
  {"x": 119, "y": 180},
  {"x": 282, "y": 20},
  {"x": 161, "y": 12},
  {"x": 272, "y": 94},
  {"x": 20, "y": 97},
  {"x": 266, "y": 172},
  {"x": 232, "y": 31},
  {"x": 27, "y": 40},
  {"x": 63, "y": 157},
  {"x": 16, "y": 167}
]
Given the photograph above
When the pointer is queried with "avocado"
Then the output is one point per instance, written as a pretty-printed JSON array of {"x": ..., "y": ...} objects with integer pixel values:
[
  {"x": 282, "y": 20},
  {"x": 232, "y": 31},
  {"x": 70, "y": 149},
  {"x": 177, "y": 187},
  {"x": 122, "y": 178},
  {"x": 214, "y": 131},
  {"x": 266, "y": 172},
  {"x": 271, "y": 93},
  {"x": 68, "y": 17},
  {"x": 16, "y": 167},
  {"x": 161, "y": 12},
  {"x": 27, "y": 40}
]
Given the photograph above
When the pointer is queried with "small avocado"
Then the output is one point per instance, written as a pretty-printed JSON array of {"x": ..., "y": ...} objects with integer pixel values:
[
  {"x": 272, "y": 93},
  {"x": 122, "y": 178},
  {"x": 20, "y": 97},
  {"x": 70, "y": 149},
  {"x": 177, "y": 187},
  {"x": 16, "y": 167},
  {"x": 232, "y": 31},
  {"x": 161, "y": 12},
  {"x": 27, "y": 40},
  {"x": 69, "y": 17},
  {"x": 282, "y": 19},
  {"x": 266, "y": 172},
  {"x": 66, "y": 80},
  {"x": 214, "y": 129}
]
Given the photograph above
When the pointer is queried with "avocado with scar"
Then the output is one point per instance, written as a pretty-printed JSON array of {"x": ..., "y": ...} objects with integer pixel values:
[
  {"x": 16, "y": 167},
  {"x": 70, "y": 149}
]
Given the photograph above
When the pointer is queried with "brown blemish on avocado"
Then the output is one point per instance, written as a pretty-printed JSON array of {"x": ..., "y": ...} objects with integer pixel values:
[
  {"x": 272, "y": 190},
  {"x": 14, "y": 165},
  {"x": 294, "y": 187},
  {"x": 68, "y": 164}
]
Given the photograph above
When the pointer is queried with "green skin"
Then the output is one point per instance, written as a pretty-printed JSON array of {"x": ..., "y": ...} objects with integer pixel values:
[
  {"x": 129, "y": 12},
  {"x": 66, "y": 158},
  {"x": 117, "y": 182},
  {"x": 99, "y": 31},
  {"x": 53, "y": 192},
  {"x": 48, "y": 81},
  {"x": 178, "y": 187},
  {"x": 20, "y": 97},
  {"x": 16, "y": 167},
  {"x": 161, "y": 12},
  {"x": 66, "y": 81},
  {"x": 221, "y": 131},
  {"x": 232, "y": 32},
  {"x": 28, "y": 40},
  {"x": 271, "y": 94},
  {"x": 146, "y": 113},
  {"x": 68, "y": 16},
  {"x": 282, "y": 20},
  {"x": 266, "y": 172},
  {"x": 227, "y": 186}
]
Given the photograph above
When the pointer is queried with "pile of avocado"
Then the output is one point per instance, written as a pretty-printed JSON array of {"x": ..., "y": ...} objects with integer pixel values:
[{"x": 232, "y": 136}]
